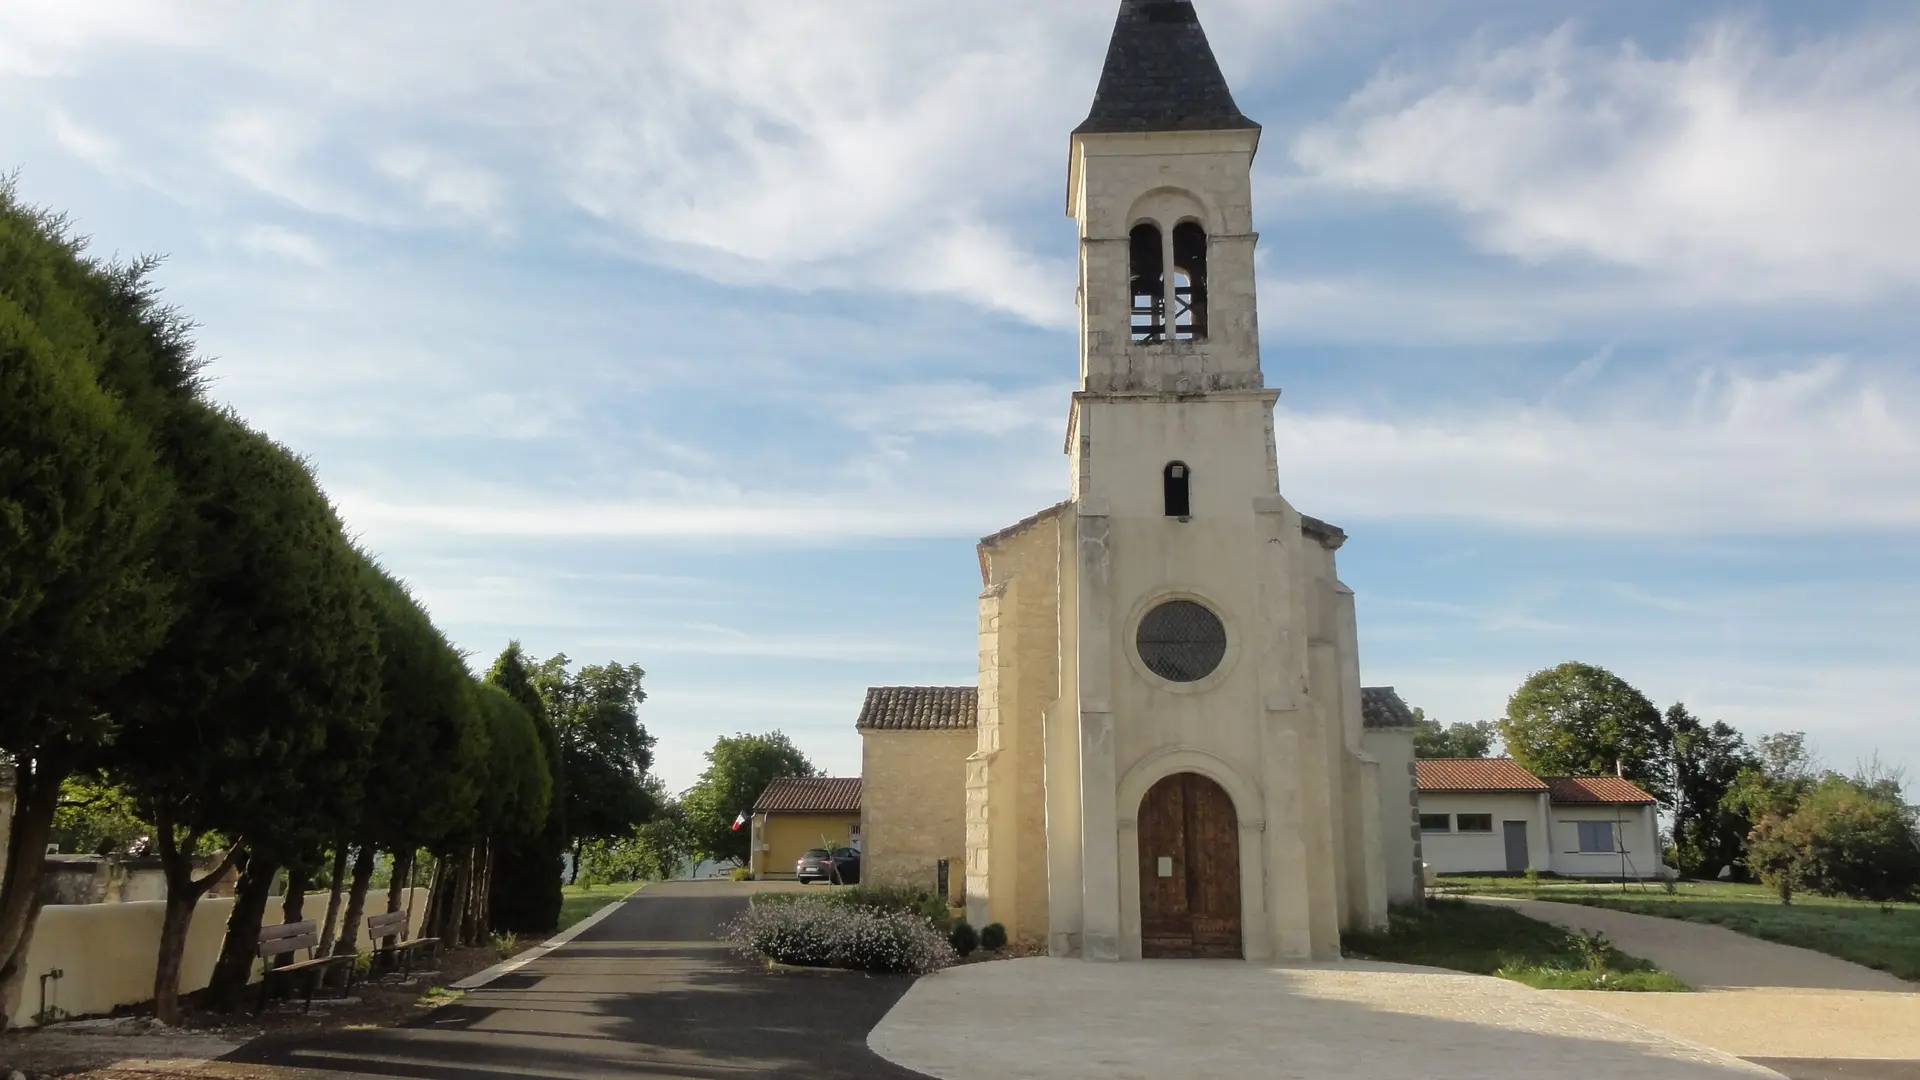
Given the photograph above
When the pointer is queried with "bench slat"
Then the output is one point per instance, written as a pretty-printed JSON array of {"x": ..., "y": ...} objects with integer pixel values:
[
  {"x": 271, "y": 933},
  {"x": 305, "y": 964},
  {"x": 289, "y": 944},
  {"x": 388, "y": 923}
]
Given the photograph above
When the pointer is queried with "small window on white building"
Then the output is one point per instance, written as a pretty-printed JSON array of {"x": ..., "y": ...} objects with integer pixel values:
[
  {"x": 1596, "y": 837},
  {"x": 1435, "y": 823},
  {"x": 1476, "y": 823}
]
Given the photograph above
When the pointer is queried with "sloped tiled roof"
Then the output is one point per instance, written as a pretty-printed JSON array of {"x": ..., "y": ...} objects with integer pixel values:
[
  {"x": 918, "y": 708},
  {"x": 1161, "y": 75},
  {"x": 1596, "y": 790},
  {"x": 1490, "y": 775},
  {"x": 810, "y": 795},
  {"x": 1381, "y": 707}
]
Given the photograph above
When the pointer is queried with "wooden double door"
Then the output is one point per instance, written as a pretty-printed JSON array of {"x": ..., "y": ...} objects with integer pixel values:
[{"x": 1189, "y": 870}]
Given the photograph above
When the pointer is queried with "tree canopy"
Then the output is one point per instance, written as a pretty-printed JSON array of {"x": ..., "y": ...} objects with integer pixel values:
[
  {"x": 1461, "y": 739},
  {"x": 739, "y": 767},
  {"x": 1578, "y": 719}
]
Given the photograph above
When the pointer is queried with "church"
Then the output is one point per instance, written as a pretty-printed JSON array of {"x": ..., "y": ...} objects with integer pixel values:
[{"x": 1169, "y": 752}]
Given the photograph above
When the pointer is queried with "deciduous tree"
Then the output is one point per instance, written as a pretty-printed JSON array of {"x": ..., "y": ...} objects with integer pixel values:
[
  {"x": 1578, "y": 719},
  {"x": 739, "y": 768},
  {"x": 1707, "y": 761},
  {"x": 1461, "y": 739}
]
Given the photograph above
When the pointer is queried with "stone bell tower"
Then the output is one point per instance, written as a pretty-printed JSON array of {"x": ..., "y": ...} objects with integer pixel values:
[
  {"x": 1169, "y": 679},
  {"x": 1212, "y": 764}
]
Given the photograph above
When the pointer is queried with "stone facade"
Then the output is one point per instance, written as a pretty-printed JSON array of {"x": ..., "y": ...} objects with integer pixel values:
[
  {"x": 913, "y": 805},
  {"x": 1007, "y": 851},
  {"x": 1075, "y": 725}
]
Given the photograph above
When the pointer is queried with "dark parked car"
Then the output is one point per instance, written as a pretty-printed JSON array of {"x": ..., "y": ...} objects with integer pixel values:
[{"x": 841, "y": 866}]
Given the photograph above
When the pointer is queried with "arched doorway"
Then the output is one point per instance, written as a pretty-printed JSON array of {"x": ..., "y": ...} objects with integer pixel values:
[{"x": 1189, "y": 870}]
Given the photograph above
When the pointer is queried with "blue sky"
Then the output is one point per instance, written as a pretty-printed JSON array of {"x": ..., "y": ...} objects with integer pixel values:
[{"x": 710, "y": 336}]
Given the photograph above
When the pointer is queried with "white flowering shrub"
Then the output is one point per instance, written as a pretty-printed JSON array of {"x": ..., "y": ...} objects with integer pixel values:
[{"x": 824, "y": 933}]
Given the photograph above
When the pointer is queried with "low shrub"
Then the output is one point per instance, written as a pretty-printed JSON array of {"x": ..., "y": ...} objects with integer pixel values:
[
  {"x": 830, "y": 932},
  {"x": 740, "y": 873},
  {"x": 993, "y": 937},
  {"x": 963, "y": 939}
]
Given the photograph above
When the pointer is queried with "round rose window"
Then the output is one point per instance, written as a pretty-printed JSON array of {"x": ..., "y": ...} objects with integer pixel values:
[{"x": 1182, "y": 641}]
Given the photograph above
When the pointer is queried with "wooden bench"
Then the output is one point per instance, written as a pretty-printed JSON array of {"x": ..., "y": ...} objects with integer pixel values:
[
  {"x": 291, "y": 938},
  {"x": 393, "y": 924}
]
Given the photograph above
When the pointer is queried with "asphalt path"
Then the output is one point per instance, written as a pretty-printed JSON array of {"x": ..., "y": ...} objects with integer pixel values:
[{"x": 649, "y": 991}]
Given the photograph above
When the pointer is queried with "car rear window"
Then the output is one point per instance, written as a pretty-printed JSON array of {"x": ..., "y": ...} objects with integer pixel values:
[{"x": 814, "y": 853}]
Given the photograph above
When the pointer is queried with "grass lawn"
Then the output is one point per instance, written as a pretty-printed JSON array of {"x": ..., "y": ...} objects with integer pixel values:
[
  {"x": 1488, "y": 940},
  {"x": 579, "y": 901},
  {"x": 1883, "y": 936}
]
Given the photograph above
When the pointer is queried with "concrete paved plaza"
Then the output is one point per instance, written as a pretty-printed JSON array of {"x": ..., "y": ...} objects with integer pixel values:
[{"x": 1046, "y": 1019}]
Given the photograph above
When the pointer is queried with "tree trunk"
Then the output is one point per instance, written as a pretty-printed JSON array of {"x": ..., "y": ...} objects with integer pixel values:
[
  {"x": 457, "y": 899},
  {"x": 36, "y": 796},
  {"x": 434, "y": 923},
  {"x": 573, "y": 872},
  {"x": 295, "y": 902},
  {"x": 237, "y": 951},
  {"x": 402, "y": 883},
  {"x": 483, "y": 896},
  {"x": 349, "y": 942},
  {"x": 333, "y": 900},
  {"x": 183, "y": 894},
  {"x": 400, "y": 886}
]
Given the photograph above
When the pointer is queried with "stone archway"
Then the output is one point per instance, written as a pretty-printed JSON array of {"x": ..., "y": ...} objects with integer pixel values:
[{"x": 1189, "y": 841}]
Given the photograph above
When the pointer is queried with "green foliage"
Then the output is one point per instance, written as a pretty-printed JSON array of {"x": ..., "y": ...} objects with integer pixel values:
[
  {"x": 513, "y": 803},
  {"x": 1708, "y": 834},
  {"x": 738, "y": 769},
  {"x": 1464, "y": 739},
  {"x": 740, "y": 873},
  {"x": 426, "y": 775},
  {"x": 655, "y": 851},
  {"x": 526, "y": 893},
  {"x": 1488, "y": 940},
  {"x": 605, "y": 750},
  {"x": 90, "y": 368},
  {"x": 96, "y": 818},
  {"x": 963, "y": 938},
  {"x": 257, "y": 714},
  {"x": 1577, "y": 719},
  {"x": 1594, "y": 950},
  {"x": 993, "y": 937},
  {"x": 1842, "y": 839},
  {"x": 1884, "y": 936}
]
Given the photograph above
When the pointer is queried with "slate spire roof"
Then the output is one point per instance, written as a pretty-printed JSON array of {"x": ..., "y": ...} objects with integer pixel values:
[{"x": 1161, "y": 75}]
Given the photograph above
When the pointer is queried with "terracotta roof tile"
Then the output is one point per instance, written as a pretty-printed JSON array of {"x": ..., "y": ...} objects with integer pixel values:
[
  {"x": 1596, "y": 790},
  {"x": 918, "y": 708},
  {"x": 810, "y": 795},
  {"x": 1475, "y": 774}
]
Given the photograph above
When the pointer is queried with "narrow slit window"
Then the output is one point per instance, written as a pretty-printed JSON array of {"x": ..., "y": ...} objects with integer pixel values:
[
  {"x": 1147, "y": 285},
  {"x": 1190, "y": 282},
  {"x": 1178, "y": 483}
]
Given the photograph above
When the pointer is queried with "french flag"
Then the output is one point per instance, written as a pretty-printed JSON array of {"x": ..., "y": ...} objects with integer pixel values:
[{"x": 739, "y": 821}]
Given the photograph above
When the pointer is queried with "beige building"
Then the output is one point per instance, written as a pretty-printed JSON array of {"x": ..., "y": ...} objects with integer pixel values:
[
  {"x": 1490, "y": 815},
  {"x": 797, "y": 813},
  {"x": 1172, "y": 754}
]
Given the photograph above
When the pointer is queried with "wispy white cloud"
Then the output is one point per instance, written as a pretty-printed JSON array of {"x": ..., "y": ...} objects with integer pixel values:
[
  {"x": 284, "y": 243},
  {"x": 1736, "y": 168},
  {"x": 1818, "y": 447}
]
